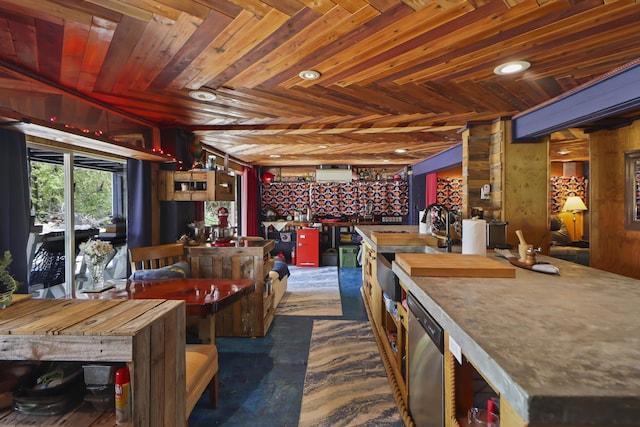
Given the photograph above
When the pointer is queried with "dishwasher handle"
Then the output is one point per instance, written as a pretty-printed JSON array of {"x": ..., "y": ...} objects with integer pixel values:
[{"x": 428, "y": 323}]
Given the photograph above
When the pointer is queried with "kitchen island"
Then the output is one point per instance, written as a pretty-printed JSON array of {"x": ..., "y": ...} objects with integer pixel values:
[
  {"x": 389, "y": 327},
  {"x": 557, "y": 349}
]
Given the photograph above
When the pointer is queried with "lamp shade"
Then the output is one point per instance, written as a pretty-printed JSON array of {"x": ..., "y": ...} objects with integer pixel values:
[{"x": 574, "y": 204}]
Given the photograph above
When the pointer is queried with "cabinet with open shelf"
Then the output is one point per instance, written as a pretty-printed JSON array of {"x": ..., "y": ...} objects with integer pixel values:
[
  {"x": 368, "y": 262},
  {"x": 196, "y": 185},
  {"x": 390, "y": 326},
  {"x": 394, "y": 327},
  {"x": 465, "y": 388}
]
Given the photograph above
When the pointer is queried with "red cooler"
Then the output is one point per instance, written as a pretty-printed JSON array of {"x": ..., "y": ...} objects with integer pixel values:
[{"x": 308, "y": 253}]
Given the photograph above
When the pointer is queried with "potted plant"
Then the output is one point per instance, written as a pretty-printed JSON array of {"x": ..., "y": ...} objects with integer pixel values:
[{"x": 8, "y": 284}]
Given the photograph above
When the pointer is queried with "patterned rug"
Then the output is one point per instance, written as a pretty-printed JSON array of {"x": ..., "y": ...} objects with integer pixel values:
[
  {"x": 311, "y": 292},
  {"x": 346, "y": 383}
]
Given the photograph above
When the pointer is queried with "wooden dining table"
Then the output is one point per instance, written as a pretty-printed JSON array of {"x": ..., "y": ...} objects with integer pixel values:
[{"x": 203, "y": 297}]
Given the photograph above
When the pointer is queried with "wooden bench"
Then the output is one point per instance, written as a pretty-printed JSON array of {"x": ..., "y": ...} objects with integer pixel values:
[{"x": 201, "y": 361}]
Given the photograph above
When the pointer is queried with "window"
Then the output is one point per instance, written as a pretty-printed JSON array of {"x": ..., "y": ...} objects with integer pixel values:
[
  {"x": 98, "y": 200},
  {"x": 211, "y": 213}
]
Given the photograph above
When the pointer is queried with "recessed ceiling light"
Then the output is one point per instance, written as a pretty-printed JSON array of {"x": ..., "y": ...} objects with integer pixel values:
[
  {"x": 323, "y": 146},
  {"x": 202, "y": 95},
  {"x": 274, "y": 156},
  {"x": 400, "y": 150},
  {"x": 511, "y": 67},
  {"x": 563, "y": 152},
  {"x": 309, "y": 75}
]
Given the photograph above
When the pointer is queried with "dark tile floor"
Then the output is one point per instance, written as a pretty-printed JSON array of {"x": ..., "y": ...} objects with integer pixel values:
[{"x": 261, "y": 380}]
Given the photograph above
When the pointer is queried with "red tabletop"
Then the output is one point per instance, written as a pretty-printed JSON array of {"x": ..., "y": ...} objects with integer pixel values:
[{"x": 203, "y": 296}]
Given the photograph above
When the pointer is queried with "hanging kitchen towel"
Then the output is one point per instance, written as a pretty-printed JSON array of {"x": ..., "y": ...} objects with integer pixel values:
[
  {"x": 474, "y": 236},
  {"x": 423, "y": 227}
]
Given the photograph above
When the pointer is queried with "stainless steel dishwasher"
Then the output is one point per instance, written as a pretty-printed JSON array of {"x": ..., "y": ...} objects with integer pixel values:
[{"x": 426, "y": 367}]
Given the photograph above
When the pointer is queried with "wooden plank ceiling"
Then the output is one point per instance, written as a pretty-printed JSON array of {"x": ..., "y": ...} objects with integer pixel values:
[{"x": 394, "y": 74}]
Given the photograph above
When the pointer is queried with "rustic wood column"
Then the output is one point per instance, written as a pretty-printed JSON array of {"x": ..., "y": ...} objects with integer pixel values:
[
  {"x": 476, "y": 139},
  {"x": 518, "y": 174},
  {"x": 525, "y": 186}
]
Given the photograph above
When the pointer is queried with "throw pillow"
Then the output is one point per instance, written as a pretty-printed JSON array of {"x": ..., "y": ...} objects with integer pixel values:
[
  {"x": 281, "y": 268},
  {"x": 174, "y": 271}
]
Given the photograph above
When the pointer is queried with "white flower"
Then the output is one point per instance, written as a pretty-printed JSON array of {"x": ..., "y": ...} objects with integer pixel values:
[
  {"x": 96, "y": 253},
  {"x": 96, "y": 249}
]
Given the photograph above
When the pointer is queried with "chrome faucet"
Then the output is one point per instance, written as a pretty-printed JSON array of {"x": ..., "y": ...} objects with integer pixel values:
[{"x": 437, "y": 222}]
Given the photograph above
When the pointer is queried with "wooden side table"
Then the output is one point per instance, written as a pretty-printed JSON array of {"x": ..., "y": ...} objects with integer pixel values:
[{"x": 147, "y": 335}]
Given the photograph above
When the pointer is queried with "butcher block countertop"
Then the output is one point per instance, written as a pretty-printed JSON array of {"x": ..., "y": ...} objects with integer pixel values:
[
  {"x": 453, "y": 265},
  {"x": 561, "y": 349},
  {"x": 397, "y": 238}
]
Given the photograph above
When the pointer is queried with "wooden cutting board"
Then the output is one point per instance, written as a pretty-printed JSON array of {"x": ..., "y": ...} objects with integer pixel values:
[
  {"x": 403, "y": 239},
  {"x": 453, "y": 265}
]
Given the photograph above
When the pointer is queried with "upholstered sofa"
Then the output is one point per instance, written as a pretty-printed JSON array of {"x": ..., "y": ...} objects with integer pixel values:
[
  {"x": 279, "y": 276},
  {"x": 563, "y": 247}
]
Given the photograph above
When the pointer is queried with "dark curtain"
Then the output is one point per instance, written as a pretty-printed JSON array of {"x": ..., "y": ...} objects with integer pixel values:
[
  {"x": 174, "y": 216},
  {"x": 250, "y": 207},
  {"x": 139, "y": 203},
  {"x": 15, "y": 212}
]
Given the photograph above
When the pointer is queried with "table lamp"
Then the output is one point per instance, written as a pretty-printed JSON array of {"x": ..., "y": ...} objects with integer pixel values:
[{"x": 574, "y": 204}]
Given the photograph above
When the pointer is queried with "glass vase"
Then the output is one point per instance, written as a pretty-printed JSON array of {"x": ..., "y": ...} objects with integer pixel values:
[{"x": 95, "y": 271}]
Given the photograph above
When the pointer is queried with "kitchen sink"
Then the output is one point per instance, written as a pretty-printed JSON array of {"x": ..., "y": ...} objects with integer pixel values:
[{"x": 386, "y": 277}]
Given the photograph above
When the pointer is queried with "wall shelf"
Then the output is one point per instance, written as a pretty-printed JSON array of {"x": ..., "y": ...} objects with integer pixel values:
[{"x": 191, "y": 186}]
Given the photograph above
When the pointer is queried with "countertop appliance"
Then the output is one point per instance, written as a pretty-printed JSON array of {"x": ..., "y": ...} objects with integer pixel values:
[
  {"x": 497, "y": 235},
  {"x": 426, "y": 367}
]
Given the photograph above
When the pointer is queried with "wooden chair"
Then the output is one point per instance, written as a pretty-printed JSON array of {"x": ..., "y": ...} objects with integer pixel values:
[
  {"x": 201, "y": 359},
  {"x": 158, "y": 256}
]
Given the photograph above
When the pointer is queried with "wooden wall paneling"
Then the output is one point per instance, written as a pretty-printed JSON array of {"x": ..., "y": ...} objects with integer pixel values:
[
  {"x": 382, "y": 5},
  {"x": 50, "y": 11},
  {"x": 612, "y": 247},
  {"x": 526, "y": 190},
  {"x": 309, "y": 38},
  {"x": 153, "y": 44},
  {"x": 496, "y": 171},
  {"x": 221, "y": 64},
  {"x": 97, "y": 52},
  {"x": 378, "y": 79},
  {"x": 475, "y": 165}
]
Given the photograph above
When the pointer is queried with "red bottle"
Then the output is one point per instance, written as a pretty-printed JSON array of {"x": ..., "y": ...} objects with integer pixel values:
[{"x": 123, "y": 396}]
